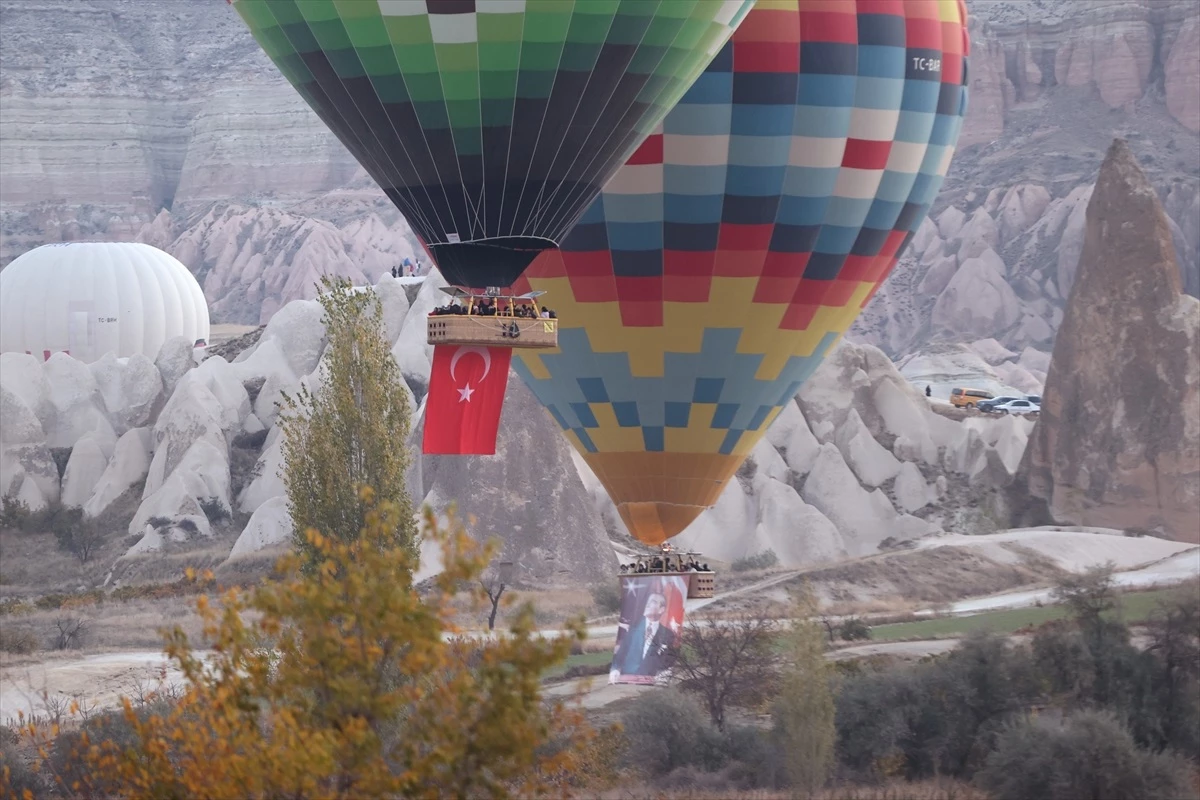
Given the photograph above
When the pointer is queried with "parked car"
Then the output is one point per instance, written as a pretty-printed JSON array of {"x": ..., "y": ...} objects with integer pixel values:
[
  {"x": 964, "y": 398},
  {"x": 1017, "y": 407},
  {"x": 1036, "y": 399},
  {"x": 990, "y": 405}
]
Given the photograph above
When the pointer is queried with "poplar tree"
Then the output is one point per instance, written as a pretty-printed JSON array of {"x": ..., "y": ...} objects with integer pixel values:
[
  {"x": 350, "y": 431},
  {"x": 803, "y": 715}
]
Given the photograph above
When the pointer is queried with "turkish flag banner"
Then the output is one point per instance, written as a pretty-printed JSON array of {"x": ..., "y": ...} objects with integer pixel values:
[{"x": 466, "y": 393}]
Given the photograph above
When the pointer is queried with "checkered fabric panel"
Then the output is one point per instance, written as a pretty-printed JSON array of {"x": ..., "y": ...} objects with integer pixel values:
[
  {"x": 491, "y": 124},
  {"x": 744, "y": 236}
]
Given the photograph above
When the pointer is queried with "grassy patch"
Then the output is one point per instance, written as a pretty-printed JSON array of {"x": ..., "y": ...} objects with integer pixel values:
[
  {"x": 1136, "y": 607},
  {"x": 586, "y": 660}
]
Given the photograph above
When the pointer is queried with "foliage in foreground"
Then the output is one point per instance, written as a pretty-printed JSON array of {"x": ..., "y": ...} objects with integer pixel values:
[
  {"x": 1090, "y": 756},
  {"x": 337, "y": 682},
  {"x": 352, "y": 430}
]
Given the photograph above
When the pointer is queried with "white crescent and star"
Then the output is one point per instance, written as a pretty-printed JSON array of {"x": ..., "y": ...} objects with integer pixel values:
[{"x": 465, "y": 392}]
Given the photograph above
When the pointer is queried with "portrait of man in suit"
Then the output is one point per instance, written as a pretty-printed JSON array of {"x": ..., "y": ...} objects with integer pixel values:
[{"x": 647, "y": 647}]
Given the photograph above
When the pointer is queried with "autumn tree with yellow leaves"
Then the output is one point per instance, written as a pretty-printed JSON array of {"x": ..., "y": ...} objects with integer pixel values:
[{"x": 343, "y": 682}]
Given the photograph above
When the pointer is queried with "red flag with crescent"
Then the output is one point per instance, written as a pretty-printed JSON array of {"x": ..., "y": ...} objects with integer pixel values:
[{"x": 466, "y": 393}]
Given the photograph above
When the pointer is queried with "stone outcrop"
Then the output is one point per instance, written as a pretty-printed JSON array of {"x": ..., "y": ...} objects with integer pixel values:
[
  {"x": 1117, "y": 48},
  {"x": 528, "y": 495},
  {"x": 1118, "y": 442}
]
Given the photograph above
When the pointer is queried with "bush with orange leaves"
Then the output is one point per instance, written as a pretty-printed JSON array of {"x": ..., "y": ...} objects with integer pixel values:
[{"x": 344, "y": 682}]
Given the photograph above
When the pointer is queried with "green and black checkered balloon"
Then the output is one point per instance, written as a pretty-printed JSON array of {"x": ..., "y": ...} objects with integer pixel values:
[{"x": 491, "y": 124}]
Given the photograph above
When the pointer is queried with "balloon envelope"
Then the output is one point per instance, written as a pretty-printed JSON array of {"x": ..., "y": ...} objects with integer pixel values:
[
  {"x": 491, "y": 124},
  {"x": 739, "y": 242},
  {"x": 92, "y": 298}
]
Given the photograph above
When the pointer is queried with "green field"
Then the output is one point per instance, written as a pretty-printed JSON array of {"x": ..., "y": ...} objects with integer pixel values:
[
  {"x": 1135, "y": 606},
  {"x": 584, "y": 659}
]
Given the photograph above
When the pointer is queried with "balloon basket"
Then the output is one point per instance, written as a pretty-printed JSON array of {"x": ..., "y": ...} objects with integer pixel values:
[
  {"x": 496, "y": 331},
  {"x": 700, "y": 581}
]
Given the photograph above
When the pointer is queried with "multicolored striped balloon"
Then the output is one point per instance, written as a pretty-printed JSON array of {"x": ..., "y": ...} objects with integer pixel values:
[
  {"x": 742, "y": 239},
  {"x": 491, "y": 124}
]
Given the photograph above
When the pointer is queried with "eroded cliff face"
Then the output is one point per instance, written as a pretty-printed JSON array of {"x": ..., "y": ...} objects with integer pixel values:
[
  {"x": 1118, "y": 442},
  {"x": 1118, "y": 49}
]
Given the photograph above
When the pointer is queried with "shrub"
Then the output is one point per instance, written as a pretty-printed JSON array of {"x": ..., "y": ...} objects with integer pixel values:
[
  {"x": 1090, "y": 755},
  {"x": 668, "y": 729},
  {"x": 764, "y": 560},
  {"x": 75, "y": 535},
  {"x": 607, "y": 597},
  {"x": 14, "y": 514},
  {"x": 69, "y": 632},
  {"x": 17, "y": 641},
  {"x": 16, "y": 776},
  {"x": 214, "y": 509},
  {"x": 854, "y": 629},
  {"x": 935, "y": 718}
]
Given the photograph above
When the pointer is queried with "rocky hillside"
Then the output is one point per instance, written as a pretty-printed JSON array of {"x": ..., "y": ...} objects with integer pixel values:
[
  {"x": 177, "y": 456},
  {"x": 1054, "y": 81},
  {"x": 163, "y": 120}
]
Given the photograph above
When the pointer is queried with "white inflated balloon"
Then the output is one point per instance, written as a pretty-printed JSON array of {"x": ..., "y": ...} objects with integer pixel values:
[{"x": 92, "y": 298}]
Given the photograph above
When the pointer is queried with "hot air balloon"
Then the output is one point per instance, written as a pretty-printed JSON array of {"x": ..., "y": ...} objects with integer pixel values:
[
  {"x": 741, "y": 240},
  {"x": 91, "y": 298},
  {"x": 491, "y": 124}
]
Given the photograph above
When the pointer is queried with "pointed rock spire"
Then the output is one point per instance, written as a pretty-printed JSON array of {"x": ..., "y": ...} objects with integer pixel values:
[{"x": 1118, "y": 442}]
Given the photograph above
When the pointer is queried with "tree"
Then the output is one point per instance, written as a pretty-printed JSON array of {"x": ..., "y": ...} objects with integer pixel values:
[
  {"x": 1090, "y": 756},
  {"x": 75, "y": 535},
  {"x": 1172, "y": 661},
  {"x": 803, "y": 715},
  {"x": 729, "y": 662},
  {"x": 1088, "y": 595},
  {"x": 494, "y": 581},
  {"x": 339, "y": 682},
  {"x": 351, "y": 431}
]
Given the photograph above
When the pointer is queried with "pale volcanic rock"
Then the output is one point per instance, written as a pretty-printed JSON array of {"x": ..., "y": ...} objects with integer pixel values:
[
  {"x": 299, "y": 331},
  {"x": 174, "y": 359},
  {"x": 833, "y": 489},
  {"x": 979, "y": 234},
  {"x": 77, "y": 403},
  {"x": 790, "y": 435},
  {"x": 912, "y": 493},
  {"x": 129, "y": 464},
  {"x": 21, "y": 374},
  {"x": 1182, "y": 75},
  {"x": 977, "y": 302},
  {"x": 872, "y": 462},
  {"x": 1022, "y": 206},
  {"x": 1070, "y": 245},
  {"x": 269, "y": 526},
  {"x": 950, "y": 222},
  {"x": 412, "y": 351},
  {"x": 393, "y": 303},
  {"x": 27, "y": 470},
  {"x": 992, "y": 351},
  {"x": 1118, "y": 441},
  {"x": 84, "y": 469},
  {"x": 132, "y": 389},
  {"x": 267, "y": 482},
  {"x": 193, "y": 413},
  {"x": 938, "y": 277}
]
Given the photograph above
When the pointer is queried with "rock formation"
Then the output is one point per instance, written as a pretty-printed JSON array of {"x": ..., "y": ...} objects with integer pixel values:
[{"x": 1118, "y": 443}]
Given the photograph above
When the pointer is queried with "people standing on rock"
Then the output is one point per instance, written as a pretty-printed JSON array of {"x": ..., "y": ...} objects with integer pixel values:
[{"x": 928, "y": 390}]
